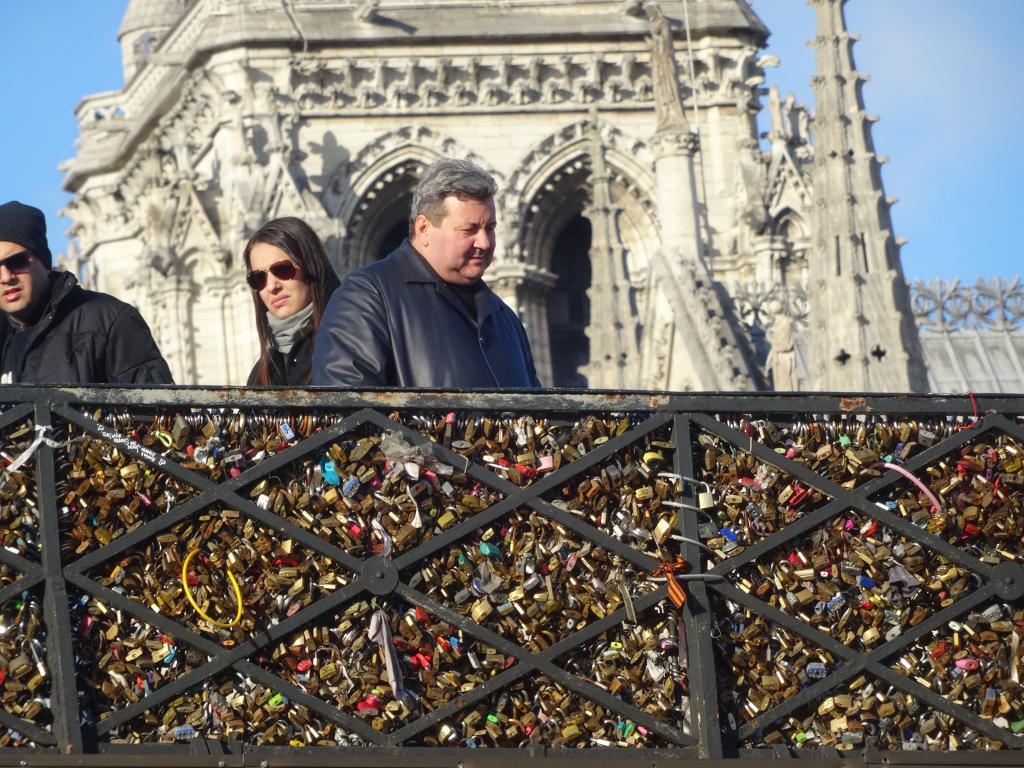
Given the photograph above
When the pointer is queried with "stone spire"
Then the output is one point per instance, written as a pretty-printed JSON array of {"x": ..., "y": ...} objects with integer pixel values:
[
  {"x": 862, "y": 335},
  {"x": 612, "y": 342}
]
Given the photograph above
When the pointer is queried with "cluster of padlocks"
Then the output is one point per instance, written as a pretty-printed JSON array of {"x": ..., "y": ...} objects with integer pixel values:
[{"x": 429, "y": 579}]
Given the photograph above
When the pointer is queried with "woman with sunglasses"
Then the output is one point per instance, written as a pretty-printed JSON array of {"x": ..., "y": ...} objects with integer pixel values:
[{"x": 291, "y": 280}]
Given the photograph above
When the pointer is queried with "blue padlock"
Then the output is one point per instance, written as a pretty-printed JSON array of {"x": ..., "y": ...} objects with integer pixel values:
[
  {"x": 351, "y": 486},
  {"x": 816, "y": 670},
  {"x": 330, "y": 473}
]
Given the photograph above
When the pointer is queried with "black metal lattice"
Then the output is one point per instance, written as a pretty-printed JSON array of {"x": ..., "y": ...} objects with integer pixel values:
[{"x": 380, "y": 577}]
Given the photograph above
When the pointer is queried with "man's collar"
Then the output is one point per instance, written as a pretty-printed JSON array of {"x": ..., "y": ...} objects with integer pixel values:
[{"x": 412, "y": 266}]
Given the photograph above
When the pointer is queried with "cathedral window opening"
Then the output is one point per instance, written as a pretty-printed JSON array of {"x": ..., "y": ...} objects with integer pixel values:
[
  {"x": 381, "y": 219},
  {"x": 144, "y": 45},
  {"x": 386, "y": 229},
  {"x": 839, "y": 265},
  {"x": 395, "y": 235},
  {"x": 792, "y": 265},
  {"x": 569, "y": 305},
  {"x": 593, "y": 232}
]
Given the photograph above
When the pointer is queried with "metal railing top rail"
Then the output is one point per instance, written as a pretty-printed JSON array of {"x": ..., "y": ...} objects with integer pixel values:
[{"x": 850, "y": 403}]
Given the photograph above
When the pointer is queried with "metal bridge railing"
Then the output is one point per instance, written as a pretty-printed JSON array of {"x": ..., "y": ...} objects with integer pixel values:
[{"x": 421, "y": 577}]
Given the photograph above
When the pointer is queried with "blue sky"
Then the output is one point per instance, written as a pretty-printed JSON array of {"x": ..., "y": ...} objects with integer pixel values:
[{"x": 946, "y": 83}]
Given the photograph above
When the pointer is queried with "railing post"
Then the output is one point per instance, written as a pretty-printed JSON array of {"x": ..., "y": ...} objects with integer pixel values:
[
  {"x": 697, "y": 614},
  {"x": 60, "y": 652}
]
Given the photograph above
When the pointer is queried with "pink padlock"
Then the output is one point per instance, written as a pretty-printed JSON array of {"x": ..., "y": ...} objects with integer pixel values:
[{"x": 968, "y": 664}]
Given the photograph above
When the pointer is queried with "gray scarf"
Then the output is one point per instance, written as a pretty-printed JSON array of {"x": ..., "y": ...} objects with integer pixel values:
[{"x": 286, "y": 332}]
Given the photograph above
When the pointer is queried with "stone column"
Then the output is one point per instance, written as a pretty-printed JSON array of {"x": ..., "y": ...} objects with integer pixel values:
[
  {"x": 674, "y": 152},
  {"x": 229, "y": 357},
  {"x": 769, "y": 250},
  {"x": 612, "y": 332},
  {"x": 172, "y": 298},
  {"x": 525, "y": 288}
]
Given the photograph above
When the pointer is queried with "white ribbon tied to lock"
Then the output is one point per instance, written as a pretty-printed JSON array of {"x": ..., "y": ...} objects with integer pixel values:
[
  {"x": 380, "y": 633},
  {"x": 27, "y": 454},
  {"x": 386, "y": 540}
]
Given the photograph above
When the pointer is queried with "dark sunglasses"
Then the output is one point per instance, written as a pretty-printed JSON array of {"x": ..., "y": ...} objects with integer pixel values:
[
  {"x": 17, "y": 262},
  {"x": 257, "y": 278}
]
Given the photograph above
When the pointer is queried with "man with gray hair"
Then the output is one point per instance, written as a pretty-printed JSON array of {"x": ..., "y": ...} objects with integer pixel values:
[{"x": 423, "y": 317}]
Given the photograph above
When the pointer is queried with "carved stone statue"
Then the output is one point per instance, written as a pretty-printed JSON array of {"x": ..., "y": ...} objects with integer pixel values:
[
  {"x": 429, "y": 93},
  {"x": 534, "y": 73},
  {"x": 782, "y": 357},
  {"x": 462, "y": 96},
  {"x": 667, "y": 101},
  {"x": 778, "y": 131}
]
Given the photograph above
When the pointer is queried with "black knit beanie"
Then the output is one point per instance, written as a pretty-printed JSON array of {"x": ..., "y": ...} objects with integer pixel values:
[{"x": 25, "y": 225}]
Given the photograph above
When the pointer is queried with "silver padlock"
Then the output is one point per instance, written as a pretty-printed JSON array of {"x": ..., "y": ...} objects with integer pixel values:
[
  {"x": 705, "y": 499},
  {"x": 992, "y": 613}
]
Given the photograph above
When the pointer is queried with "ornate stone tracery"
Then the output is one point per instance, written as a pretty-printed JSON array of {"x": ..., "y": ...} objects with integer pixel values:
[
  {"x": 948, "y": 306},
  {"x": 476, "y": 82},
  {"x": 630, "y": 160}
]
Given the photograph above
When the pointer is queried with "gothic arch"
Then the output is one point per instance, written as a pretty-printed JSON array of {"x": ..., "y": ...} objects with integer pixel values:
[
  {"x": 194, "y": 233},
  {"x": 580, "y": 209},
  {"x": 790, "y": 224},
  {"x": 556, "y": 173},
  {"x": 791, "y": 270},
  {"x": 381, "y": 213},
  {"x": 787, "y": 186},
  {"x": 409, "y": 143},
  {"x": 630, "y": 161}
]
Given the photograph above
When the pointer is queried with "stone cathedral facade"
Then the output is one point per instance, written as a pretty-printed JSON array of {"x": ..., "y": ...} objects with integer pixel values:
[{"x": 648, "y": 238}]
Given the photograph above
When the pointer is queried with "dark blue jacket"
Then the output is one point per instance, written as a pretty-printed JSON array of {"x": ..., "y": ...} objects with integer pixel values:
[{"x": 395, "y": 323}]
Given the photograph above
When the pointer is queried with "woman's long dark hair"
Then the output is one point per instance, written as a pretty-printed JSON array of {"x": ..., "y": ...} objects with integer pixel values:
[{"x": 296, "y": 238}]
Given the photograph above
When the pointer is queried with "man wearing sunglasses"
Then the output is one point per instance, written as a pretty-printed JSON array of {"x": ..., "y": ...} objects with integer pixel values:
[
  {"x": 423, "y": 317},
  {"x": 52, "y": 331}
]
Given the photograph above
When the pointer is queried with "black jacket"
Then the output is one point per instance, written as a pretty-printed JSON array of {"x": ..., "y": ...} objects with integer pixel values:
[
  {"x": 291, "y": 370},
  {"x": 395, "y": 323},
  {"x": 83, "y": 337}
]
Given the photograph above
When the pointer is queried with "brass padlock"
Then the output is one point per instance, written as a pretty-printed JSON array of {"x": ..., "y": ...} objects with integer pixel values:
[{"x": 20, "y": 665}]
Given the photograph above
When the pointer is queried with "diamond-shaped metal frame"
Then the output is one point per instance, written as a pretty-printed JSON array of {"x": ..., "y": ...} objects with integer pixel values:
[
  {"x": 860, "y": 500},
  {"x": 228, "y": 493},
  {"x": 685, "y": 412}
]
